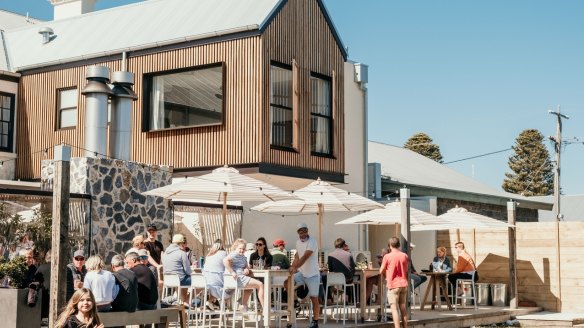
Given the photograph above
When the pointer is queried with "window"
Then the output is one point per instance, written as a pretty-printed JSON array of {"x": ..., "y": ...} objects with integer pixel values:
[
  {"x": 67, "y": 104},
  {"x": 321, "y": 119},
  {"x": 185, "y": 98},
  {"x": 281, "y": 112},
  {"x": 6, "y": 121}
]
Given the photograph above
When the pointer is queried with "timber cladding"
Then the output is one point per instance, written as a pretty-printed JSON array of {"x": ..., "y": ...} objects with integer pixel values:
[
  {"x": 538, "y": 277},
  {"x": 299, "y": 33}
]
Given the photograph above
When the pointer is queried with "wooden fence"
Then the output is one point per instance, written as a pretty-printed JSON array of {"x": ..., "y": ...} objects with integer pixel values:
[{"x": 537, "y": 261}]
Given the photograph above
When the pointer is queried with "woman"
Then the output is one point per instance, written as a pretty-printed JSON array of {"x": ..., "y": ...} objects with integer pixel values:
[
  {"x": 213, "y": 272},
  {"x": 80, "y": 312},
  {"x": 236, "y": 265},
  {"x": 102, "y": 283},
  {"x": 441, "y": 262},
  {"x": 261, "y": 253}
]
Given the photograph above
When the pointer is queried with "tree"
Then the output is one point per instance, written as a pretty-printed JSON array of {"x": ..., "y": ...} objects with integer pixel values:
[
  {"x": 531, "y": 165},
  {"x": 422, "y": 144}
]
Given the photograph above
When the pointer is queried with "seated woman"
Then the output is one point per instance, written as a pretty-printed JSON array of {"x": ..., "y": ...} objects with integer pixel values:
[
  {"x": 236, "y": 265},
  {"x": 441, "y": 262},
  {"x": 213, "y": 272},
  {"x": 261, "y": 253},
  {"x": 101, "y": 282}
]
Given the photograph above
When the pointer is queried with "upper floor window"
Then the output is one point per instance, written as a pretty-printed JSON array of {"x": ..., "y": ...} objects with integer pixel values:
[
  {"x": 6, "y": 121},
  {"x": 184, "y": 98},
  {"x": 67, "y": 108},
  {"x": 281, "y": 106},
  {"x": 321, "y": 119}
]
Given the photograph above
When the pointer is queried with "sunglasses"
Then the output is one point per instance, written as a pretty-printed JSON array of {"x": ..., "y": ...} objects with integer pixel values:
[
  {"x": 302, "y": 231},
  {"x": 259, "y": 244},
  {"x": 79, "y": 259}
]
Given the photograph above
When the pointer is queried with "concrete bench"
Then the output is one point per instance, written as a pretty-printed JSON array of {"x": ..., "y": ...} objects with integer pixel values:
[{"x": 163, "y": 316}]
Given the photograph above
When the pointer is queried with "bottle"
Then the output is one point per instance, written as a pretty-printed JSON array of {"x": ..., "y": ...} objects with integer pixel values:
[
  {"x": 370, "y": 265},
  {"x": 201, "y": 262}
]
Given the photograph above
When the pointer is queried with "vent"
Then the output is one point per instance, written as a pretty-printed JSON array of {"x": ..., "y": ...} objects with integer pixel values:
[{"x": 47, "y": 34}]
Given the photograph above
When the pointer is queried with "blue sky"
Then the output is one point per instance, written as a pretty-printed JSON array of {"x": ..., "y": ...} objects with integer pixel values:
[{"x": 472, "y": 75}]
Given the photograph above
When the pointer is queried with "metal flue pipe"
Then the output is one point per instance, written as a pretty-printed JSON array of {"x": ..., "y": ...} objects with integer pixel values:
[
  {"x": 121, "y": 116},
  {"x": 96, "y": 93}
]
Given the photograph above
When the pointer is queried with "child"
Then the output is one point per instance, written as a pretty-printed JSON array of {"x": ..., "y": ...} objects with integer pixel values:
[{"x": 80, "y": 311}]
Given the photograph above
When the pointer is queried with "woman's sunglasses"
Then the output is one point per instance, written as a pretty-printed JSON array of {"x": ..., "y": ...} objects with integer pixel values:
[{"x": 259, "y": 244}]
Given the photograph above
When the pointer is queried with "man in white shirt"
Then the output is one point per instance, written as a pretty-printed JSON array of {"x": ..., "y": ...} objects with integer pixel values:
[{"x": 306, "y": 269}]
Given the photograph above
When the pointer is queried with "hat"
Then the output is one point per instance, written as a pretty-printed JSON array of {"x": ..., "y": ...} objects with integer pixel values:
[
  {"x": 412, "y": 245},
  {"x": 151, "y": 226},
  {"x": 79, "y": 253},
  {"x": 249, "y": 247},
  {"x": 178, "y": 238},
  {"x": 279, "y": 242},
  {"x": 142, "y": 252},
  {"x": 301, "y": 226}
]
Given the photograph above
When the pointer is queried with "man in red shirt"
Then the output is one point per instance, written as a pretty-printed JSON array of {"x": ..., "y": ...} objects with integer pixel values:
[{"x": 395, "y": 268}]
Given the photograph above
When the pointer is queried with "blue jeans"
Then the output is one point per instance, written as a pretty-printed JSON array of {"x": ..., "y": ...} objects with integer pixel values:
[{"x": 417, "y": 279}]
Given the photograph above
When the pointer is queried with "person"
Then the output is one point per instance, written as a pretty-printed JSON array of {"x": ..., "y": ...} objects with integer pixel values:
[
  {"x": 138, "y": 244},
  {"x": 24, "y": 244},
  {"x": 395, "y": 268},
  {"x": 80, "y": 312},
  {"x": 147, "y": 284},
  {"x": 102, "y": 283},
  {"x": 381, "y": 255},
  {"x": 465, "y": 266},
  {"x": 306, "y": 269},
  {"x": 127, "y": 298},
  {"x": 143, "y": 258},
  {"x": 76, "y": 272},
  {"x": 44, "y": 271},
  {"x": 441, "y": 262},
  {"x": 31, "y": 269},
  {"x": 237, "y": 266},
  {"x": 340, "y": 260},
  {"x": 213, "y": 273},
  {"x": 280, "y": 255},
  {"x": 176, "y": 261},
  {"x": 153, "y": 246},
  {"x": 249, "y": 249},
  {"x": 261, "y": 254},
  {"x": 414, "y": 276}
]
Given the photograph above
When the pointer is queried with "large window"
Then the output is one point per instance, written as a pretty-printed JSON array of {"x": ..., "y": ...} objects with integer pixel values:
[
  {"x": 6, "y": 121},
  {"x": 321, "y": 120},
  {"x": 281, "y": 112},
  {"x": 184, "y": 98},
  {"x": 67, "y": 108}
]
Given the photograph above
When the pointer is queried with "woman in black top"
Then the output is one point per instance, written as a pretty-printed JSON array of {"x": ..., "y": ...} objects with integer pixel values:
[
  {"x": 261, "y": 253},
  {"x": 80, "y": 312}
]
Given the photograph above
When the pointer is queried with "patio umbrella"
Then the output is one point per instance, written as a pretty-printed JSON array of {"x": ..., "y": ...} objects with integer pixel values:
[
  {"x": 461, "y": 218},
  {"x": 318, "y": 197},
  {"x": 221, "y": 184}
]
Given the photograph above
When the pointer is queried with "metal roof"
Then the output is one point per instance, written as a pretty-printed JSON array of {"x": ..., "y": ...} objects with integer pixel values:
[
  {"x": 406, "y": 167},
  {"x": 141, "y": 25},
  {"x": 571, "y": 206},
  {"x": 10, "y": 20}
]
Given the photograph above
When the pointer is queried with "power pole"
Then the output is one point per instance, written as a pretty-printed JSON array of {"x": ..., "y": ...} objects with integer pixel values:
[{"x": 558, "y": 148}]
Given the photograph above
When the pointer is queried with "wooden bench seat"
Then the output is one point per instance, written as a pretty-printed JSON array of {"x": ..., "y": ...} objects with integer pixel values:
[{"x": 164, "y": 316}]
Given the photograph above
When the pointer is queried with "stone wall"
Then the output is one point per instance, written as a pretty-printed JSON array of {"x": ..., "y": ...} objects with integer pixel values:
[
  {"x": 498, "y": 212},
  {"x": 119, "y": 211}
]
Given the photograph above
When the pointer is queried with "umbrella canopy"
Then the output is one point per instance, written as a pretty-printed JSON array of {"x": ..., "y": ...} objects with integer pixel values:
[
  {"x": 391, "y": 214},
  {"x": 318, "y": 197},
  {"x": 221, "y": 184},
  {"x": 461, "y": 218}
]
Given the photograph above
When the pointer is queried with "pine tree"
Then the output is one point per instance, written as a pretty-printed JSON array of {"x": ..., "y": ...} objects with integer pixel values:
[
  {"x": 531, "y": 165},
  {"x": 422, "y": 144}
]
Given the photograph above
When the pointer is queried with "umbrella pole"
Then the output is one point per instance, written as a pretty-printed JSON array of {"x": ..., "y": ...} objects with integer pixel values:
[
  {"x": 224, "y": 225},
  {"x": 320, "y": 209}
]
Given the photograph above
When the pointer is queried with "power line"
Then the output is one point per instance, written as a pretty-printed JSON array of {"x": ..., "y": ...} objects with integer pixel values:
[{"x": 477, "y": 156}]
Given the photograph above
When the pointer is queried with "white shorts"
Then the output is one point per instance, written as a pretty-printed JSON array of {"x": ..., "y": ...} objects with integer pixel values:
[{"x": 313, "y": 283}]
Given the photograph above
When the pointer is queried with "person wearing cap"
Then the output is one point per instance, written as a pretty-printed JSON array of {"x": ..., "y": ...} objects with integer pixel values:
[
  {"x": 143, "y": 258},
  {"x": 76, "y": 272},
  {"x": 306, "y": 269},
  {"x": 147, "y": 284},
  {"x": 153, "y": 246},
  {"x": 138, "y": 243},
  {"x": 249, "y": 249},
  {"x": 280, "y": 255},
  {"x": 416, "y": 278},
  {"x": 176, "y": 261},
  {"x": 127, "y": 298}
]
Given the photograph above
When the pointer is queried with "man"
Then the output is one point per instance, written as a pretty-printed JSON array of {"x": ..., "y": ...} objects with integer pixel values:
[
  {"x": 143, "y": 258},
  {"x": 176, "y": 261},
  {"x": 341, "y": 260},
  {"x": 465, "y": 266},
  {"x": 44, "y": 271},
  {"x": 414, "y": 276},
  {"x": 153, "y": 246},
  {"x": 280, "y": 255},
  {"x": 395, "y": 268},
  {"x": 127, "y": 298},
  {"x": 31, "y": 268},
  {"x": 138, "y": 243},
  {"x": 381, "y": 255},
  {"x": 76, "y": 272},
  {"x": 306, "y": 269},
  {"x": 147, "y": 282}
]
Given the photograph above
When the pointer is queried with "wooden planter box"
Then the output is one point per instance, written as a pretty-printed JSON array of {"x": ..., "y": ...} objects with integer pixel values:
[{"x": 14, "y": 310}]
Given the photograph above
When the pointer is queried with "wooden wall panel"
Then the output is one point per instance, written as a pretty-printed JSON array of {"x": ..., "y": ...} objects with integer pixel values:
[
  {"x": 537, "y": 272},
  {"x": 300, "y": 32}
]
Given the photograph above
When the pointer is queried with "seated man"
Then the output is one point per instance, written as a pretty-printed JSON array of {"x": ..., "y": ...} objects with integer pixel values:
[
  {"x": 341, "y": 261},
  {"x": 146, "y": 281},
  {"x": 416, "y": 278},
  {"x": 127, "y": 298},
  {"x": 176, "y": 261},
  {"x": 465, "y": 266},
  {"x": 76, "y": 272},
  {"x": 280, "y": 255}
]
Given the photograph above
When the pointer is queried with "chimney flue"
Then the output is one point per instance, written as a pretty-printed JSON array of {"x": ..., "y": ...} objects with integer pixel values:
[
  {"x": 96, "y": 93},
  {"x": 121, "y": 117}
]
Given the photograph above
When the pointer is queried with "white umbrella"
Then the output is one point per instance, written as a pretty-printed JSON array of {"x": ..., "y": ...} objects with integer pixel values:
[
  {"x": 219, "y": 185},
  {"x": 318, "y": 197},
  {"x": 461, "y": 218}
]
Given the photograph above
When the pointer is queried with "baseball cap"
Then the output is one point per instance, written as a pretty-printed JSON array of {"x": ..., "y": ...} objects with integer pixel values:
[
  {"x": 279, "y": 242},
  {"x": 151, "y": 226},
  {"x": 178, "y": 238},
  {"x": 142, "y": 253},
  {"x": 301, "y": 226},
  {"x": 79, "y": 253}
]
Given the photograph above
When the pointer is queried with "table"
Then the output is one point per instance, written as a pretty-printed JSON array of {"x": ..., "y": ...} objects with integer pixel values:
[
  {"x": 363, "y": 274},
  {"x": 437, "y": 281},
  {"x": 268, "y": 275}
]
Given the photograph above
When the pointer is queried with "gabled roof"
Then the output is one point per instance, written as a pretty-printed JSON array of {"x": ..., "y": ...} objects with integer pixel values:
[
  {"x": 142, "y": 25},
  {"x": 405, "y": 167},
  {"x": 10, "y": 20}
]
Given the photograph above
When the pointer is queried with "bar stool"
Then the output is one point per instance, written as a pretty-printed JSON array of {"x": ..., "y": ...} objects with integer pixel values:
[
  {"x": 230, "y": 283},
  {"x": 464, "y": 284},
  {"x": 338, "y": 281}
]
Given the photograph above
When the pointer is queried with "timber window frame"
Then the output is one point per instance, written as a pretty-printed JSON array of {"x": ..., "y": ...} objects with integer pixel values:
[
  {"x": 7, "y": 122},
  {"x": 174, "y": 99},
  {"x": 67, "y": 108},
  {"x": 283, "y": 115},
  {"x": 321, "y": 115}
]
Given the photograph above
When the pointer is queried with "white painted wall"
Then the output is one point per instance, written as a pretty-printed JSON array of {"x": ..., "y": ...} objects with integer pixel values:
[{"x": 70, "y": 8}]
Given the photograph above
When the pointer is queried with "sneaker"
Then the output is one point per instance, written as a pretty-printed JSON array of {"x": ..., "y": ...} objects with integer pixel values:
[{"x": 313, "y": 324}]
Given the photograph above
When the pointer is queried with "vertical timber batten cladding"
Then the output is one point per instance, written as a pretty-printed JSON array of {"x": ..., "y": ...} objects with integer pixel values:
[{"x": 300, "y": 32}]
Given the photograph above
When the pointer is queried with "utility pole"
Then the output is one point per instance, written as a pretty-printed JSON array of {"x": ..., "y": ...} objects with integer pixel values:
[{"x": 558, "y": 148}]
